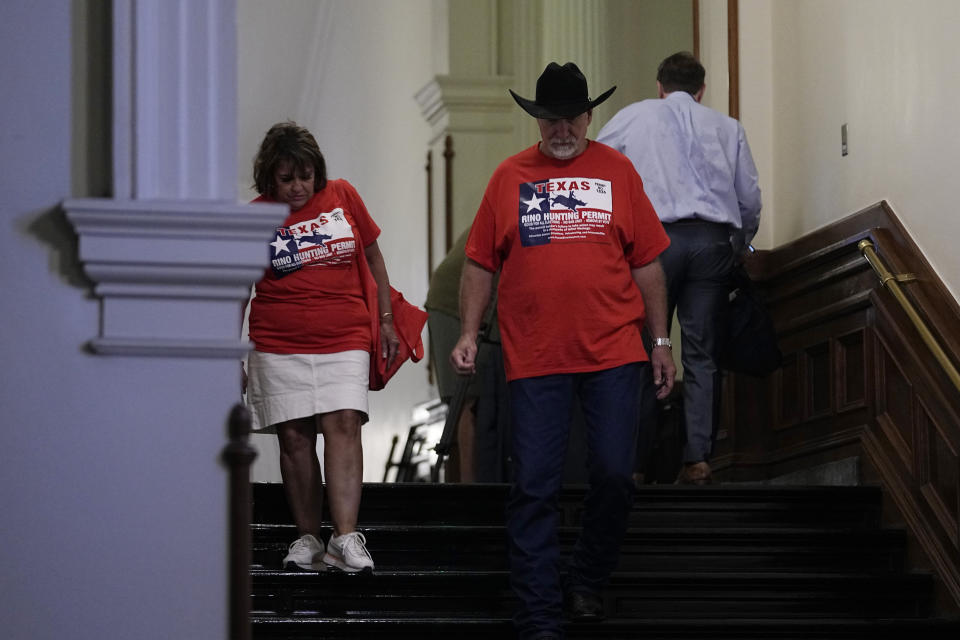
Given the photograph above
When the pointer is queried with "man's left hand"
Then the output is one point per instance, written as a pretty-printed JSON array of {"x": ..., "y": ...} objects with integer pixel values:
[{"x": 664, "y": 371}]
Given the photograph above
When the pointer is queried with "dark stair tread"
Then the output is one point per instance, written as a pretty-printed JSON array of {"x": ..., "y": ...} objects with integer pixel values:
[
  {"x": 450, "y": 545},
  {"x": 727, "y": 578},
  {"x": 288, "y": 531},
  {"x": 724, "y": 561},
  {"x": 455, "y": 592},
  {"x": 422, "y": 502},
  {"x": 798, "y": 623},
  {"x": 644, "y": 588},
  {"x": 750, "y": 491},
  {"x": 612, "y": 629},
  {"x": 672, "y": 494},
  {"x": 467, "y": 539}
]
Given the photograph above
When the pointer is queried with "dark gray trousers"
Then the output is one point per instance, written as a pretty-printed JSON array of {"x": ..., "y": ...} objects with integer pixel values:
[{"x": 697, "y": 266}]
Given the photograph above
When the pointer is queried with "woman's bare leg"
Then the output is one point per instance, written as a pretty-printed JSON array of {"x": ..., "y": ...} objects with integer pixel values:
[
  {"x": 300, "y": 470},
  {"x": 343, "y": 462}
]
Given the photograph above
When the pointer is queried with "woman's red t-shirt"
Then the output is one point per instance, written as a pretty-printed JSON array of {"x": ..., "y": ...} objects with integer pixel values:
[{"x": 310, "y": 299}]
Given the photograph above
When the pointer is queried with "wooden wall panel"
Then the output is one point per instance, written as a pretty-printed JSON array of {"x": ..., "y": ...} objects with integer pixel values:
[
  {"x": 894, "y": 404},
  {"x": 856, "y": 378},
  {"x": 790, "y": 390},
  {"x": 940, "y": 474},
  {"x": 819, "y": 380},
  {"x": 851, "y": 371}
]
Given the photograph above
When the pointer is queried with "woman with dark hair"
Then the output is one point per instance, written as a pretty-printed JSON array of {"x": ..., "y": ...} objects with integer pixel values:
[{"x": 311, "y": 329}]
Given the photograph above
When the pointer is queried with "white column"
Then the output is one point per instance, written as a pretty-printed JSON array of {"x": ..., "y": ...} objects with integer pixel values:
[
  {"x": 172, "y": 254},
  {"x": 471, "y": 104},
  {"x": 528, "y": 62},
  {"x": 175, "y": 99},
  {"x": 476, "y": 113},
  {"x": 572, "y": 32},
  {"x": 560, "y": 31}
]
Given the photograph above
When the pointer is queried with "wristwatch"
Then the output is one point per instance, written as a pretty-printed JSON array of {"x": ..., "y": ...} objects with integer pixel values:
[{"x": 662, "y": 342}]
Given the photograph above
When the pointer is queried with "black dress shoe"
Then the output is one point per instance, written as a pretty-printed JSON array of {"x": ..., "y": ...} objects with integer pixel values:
[{"x": 583, "y": 606}]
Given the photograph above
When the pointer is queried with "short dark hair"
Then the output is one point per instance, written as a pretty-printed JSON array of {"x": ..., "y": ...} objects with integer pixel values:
[
  {"x": 681, "y": 72},
  {"x": 287, "y": 142}
]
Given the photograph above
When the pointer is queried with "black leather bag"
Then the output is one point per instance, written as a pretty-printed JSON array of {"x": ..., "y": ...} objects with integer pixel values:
[{"x": 750, "y": 339}]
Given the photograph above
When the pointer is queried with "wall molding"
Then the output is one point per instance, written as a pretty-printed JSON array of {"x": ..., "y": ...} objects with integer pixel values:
[
  {"x": 459, "y": 103},
  {"x": 172, "y": 276},
  {"x": 474, "y": 115}
]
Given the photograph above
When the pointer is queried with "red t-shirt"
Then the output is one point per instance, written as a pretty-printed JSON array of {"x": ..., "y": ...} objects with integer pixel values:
[
  {"x": 566, "y": 234},
  {"x": 310, "y": 299}
]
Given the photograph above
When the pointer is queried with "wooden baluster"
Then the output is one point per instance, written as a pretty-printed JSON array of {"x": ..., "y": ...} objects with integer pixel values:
[
  {"x": 238, "y": 455},
  {"x": 448, "y": 192},
  {"x": 429, "y": 169},
  {"x": 733, "y": 58}
]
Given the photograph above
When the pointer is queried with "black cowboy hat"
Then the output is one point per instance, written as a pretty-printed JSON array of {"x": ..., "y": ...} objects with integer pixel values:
[{"x": 561, "y": 93}]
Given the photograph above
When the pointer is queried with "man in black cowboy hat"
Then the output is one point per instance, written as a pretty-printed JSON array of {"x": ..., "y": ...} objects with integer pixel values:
[{"x": 577, "y": 241}]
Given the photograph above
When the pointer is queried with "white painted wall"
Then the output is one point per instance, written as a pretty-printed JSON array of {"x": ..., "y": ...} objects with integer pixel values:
[
  {"x": 713, "y": 54},
  {"x": 348, "y": 71},
  {"x": 756, "y": 104},
  {"x": 112, "y": 500},
  {"x": 887, "y": 68}
]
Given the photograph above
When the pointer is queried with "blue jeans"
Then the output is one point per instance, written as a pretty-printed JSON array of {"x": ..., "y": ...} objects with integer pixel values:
[{"x": 540, "y": 410}]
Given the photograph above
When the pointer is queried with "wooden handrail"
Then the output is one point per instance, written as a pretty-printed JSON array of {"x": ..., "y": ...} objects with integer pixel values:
[
  {"x": 891, "y": 282},
  {"x": 733, "y": 59},
  {"x": 859, "y": 383},
  {"x": 429, "y": 170},
  {"x": 448, "y": 154},
  {"x": 238, "y": 455}
]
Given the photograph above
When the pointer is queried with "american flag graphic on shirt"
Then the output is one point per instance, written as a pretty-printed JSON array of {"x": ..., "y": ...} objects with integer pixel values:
[{"x": 564, "y": 210}]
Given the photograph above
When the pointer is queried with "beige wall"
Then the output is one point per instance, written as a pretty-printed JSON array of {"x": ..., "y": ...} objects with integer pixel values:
[
  {"x": 642, "y": 34},
  {"x": 888, "y": 69},
  {"x": 713, "y": 53},
  {"x": 756, "y": 104}
]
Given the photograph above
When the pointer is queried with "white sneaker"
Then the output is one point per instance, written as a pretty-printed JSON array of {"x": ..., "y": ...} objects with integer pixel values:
[
  {"x": 349, "y": 553},
  {"x": 306, "y": 552}
]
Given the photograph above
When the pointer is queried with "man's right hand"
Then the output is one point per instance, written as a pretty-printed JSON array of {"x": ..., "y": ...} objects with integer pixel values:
[{"x": 464, "y": 355}]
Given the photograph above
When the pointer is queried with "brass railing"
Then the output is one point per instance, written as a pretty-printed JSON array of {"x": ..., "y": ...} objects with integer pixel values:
[{"x": 891, "y": 282}]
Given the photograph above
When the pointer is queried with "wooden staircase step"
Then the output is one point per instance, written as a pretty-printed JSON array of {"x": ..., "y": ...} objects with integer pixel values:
[
  {"x": 721, "y": 628},
  {"x": 680, "y": 549},
  {"x": 480, "y": 594},
  {"x": 721, "y": 562},
  {"x": 654, "y": 505}
]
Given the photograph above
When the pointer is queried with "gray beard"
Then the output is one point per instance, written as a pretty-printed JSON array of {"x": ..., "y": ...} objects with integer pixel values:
[{"x": 563, "y": 152}]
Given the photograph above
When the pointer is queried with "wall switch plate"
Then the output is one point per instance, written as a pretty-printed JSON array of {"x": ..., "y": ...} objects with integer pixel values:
[{"x": 843, "y": 139}]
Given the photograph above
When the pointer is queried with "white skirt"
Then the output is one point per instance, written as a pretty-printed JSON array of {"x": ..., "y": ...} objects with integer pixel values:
[{"x": 283, "y": 387}]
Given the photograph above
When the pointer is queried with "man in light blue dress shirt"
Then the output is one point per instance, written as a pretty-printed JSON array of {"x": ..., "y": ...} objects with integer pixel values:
[{"x": 698, "y": 173}]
